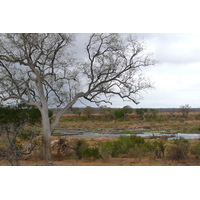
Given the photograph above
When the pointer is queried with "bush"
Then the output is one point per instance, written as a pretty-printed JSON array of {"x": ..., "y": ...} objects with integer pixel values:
[
  {"x": 19, "y": 114},
  {"x": 179, "y": 150},
  {"x": 119, "y": 113},
  {"x": 115, "y": 148},
  {"x": 130, "y": 145},
  {"x": 106, "y": 149},
  {"x": 137, "y": 140},
  {"x": 119, "y": 147},
  {"x": 124, "y": 143},
  {"x": 140, "y": 150},
  {"x": 91, "y": 153}
]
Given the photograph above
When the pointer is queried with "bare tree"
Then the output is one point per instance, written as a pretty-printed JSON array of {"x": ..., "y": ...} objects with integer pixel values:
[
  {"x": 39, "y": 70},
  {"x": 185, "y": 109}
]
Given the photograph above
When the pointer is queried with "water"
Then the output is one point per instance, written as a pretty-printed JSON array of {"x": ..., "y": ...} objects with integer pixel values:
[
  {"x": 187, "y": 136},
  {"x": 144, "y": 134}
]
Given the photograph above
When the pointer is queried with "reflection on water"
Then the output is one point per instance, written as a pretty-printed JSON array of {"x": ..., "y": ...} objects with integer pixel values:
[{"x": 144, "y": 134}]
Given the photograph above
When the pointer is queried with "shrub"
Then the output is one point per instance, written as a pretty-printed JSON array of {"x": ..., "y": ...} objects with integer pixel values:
[
  {"x": 91, "y": 153},
  {"x": 106, "y": 149},
  {"x": 115, "y": 148},
  {"x": 137, "y": 140},
  {"x": 130, "y": 145},
  {"x": 80, "y": 147},
  {"x": 140, "y": 150},
  {"x": 119, "y": 147},
  {"x": 119, "y": 113},
  {"x": 124, "y": 143},
  {"x": 179, "y": 150}
]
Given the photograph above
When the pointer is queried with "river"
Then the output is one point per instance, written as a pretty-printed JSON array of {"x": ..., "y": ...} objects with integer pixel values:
[{"x": 143, "y": 134}]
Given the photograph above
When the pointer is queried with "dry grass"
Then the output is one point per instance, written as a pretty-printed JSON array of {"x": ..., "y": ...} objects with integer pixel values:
[{"x": 164, "y": 121}]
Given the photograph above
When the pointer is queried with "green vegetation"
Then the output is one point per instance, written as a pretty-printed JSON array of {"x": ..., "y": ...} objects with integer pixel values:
[
  {"x": 19, "y": 114},
  {"x": 18, "y": 135},
  {"x": 119, "y": 113},
  {"x": 141, "y": 112},
  {"x": 78, "y": 149},
  {"x": 127, "y": 110},
  {"x": 13, "y": 131},
  {"x": 129, "y": 147},
  {"x": 91, "y": 153},
  {"x": 152, "y": 112}
]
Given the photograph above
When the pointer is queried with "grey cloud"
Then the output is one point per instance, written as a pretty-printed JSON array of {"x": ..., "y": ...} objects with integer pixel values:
[{"x": 174, "y": 48}]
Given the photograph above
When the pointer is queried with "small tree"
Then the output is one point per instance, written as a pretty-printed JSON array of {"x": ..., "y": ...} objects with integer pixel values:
[
  {"x": 153, "y": 112},
  {"x": 119, "y": 113},
  {"x": 185, "y": 109},
  {"x": 127, "y": 110},
  {"x": 141, "y": 112}
]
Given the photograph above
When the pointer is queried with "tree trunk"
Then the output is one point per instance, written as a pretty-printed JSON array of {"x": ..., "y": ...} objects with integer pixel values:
[{"x": 46, "y": 137}]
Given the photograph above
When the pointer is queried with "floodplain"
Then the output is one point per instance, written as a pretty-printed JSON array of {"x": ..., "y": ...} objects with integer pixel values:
[{"x": 128, "y": 149}]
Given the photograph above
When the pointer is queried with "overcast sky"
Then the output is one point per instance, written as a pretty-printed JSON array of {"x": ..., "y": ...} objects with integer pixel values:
[{"x": 175, "y": 76}]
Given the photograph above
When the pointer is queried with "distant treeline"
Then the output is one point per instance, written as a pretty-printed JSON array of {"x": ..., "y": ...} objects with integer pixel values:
[{"x": 97, "y": 110}]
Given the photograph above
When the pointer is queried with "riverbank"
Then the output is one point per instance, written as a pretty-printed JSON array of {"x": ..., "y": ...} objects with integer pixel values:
[
  {"x": 96, "y": 134},
  {"x": 65, "y": 157},
  {"x": 129, "y": 125}
]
